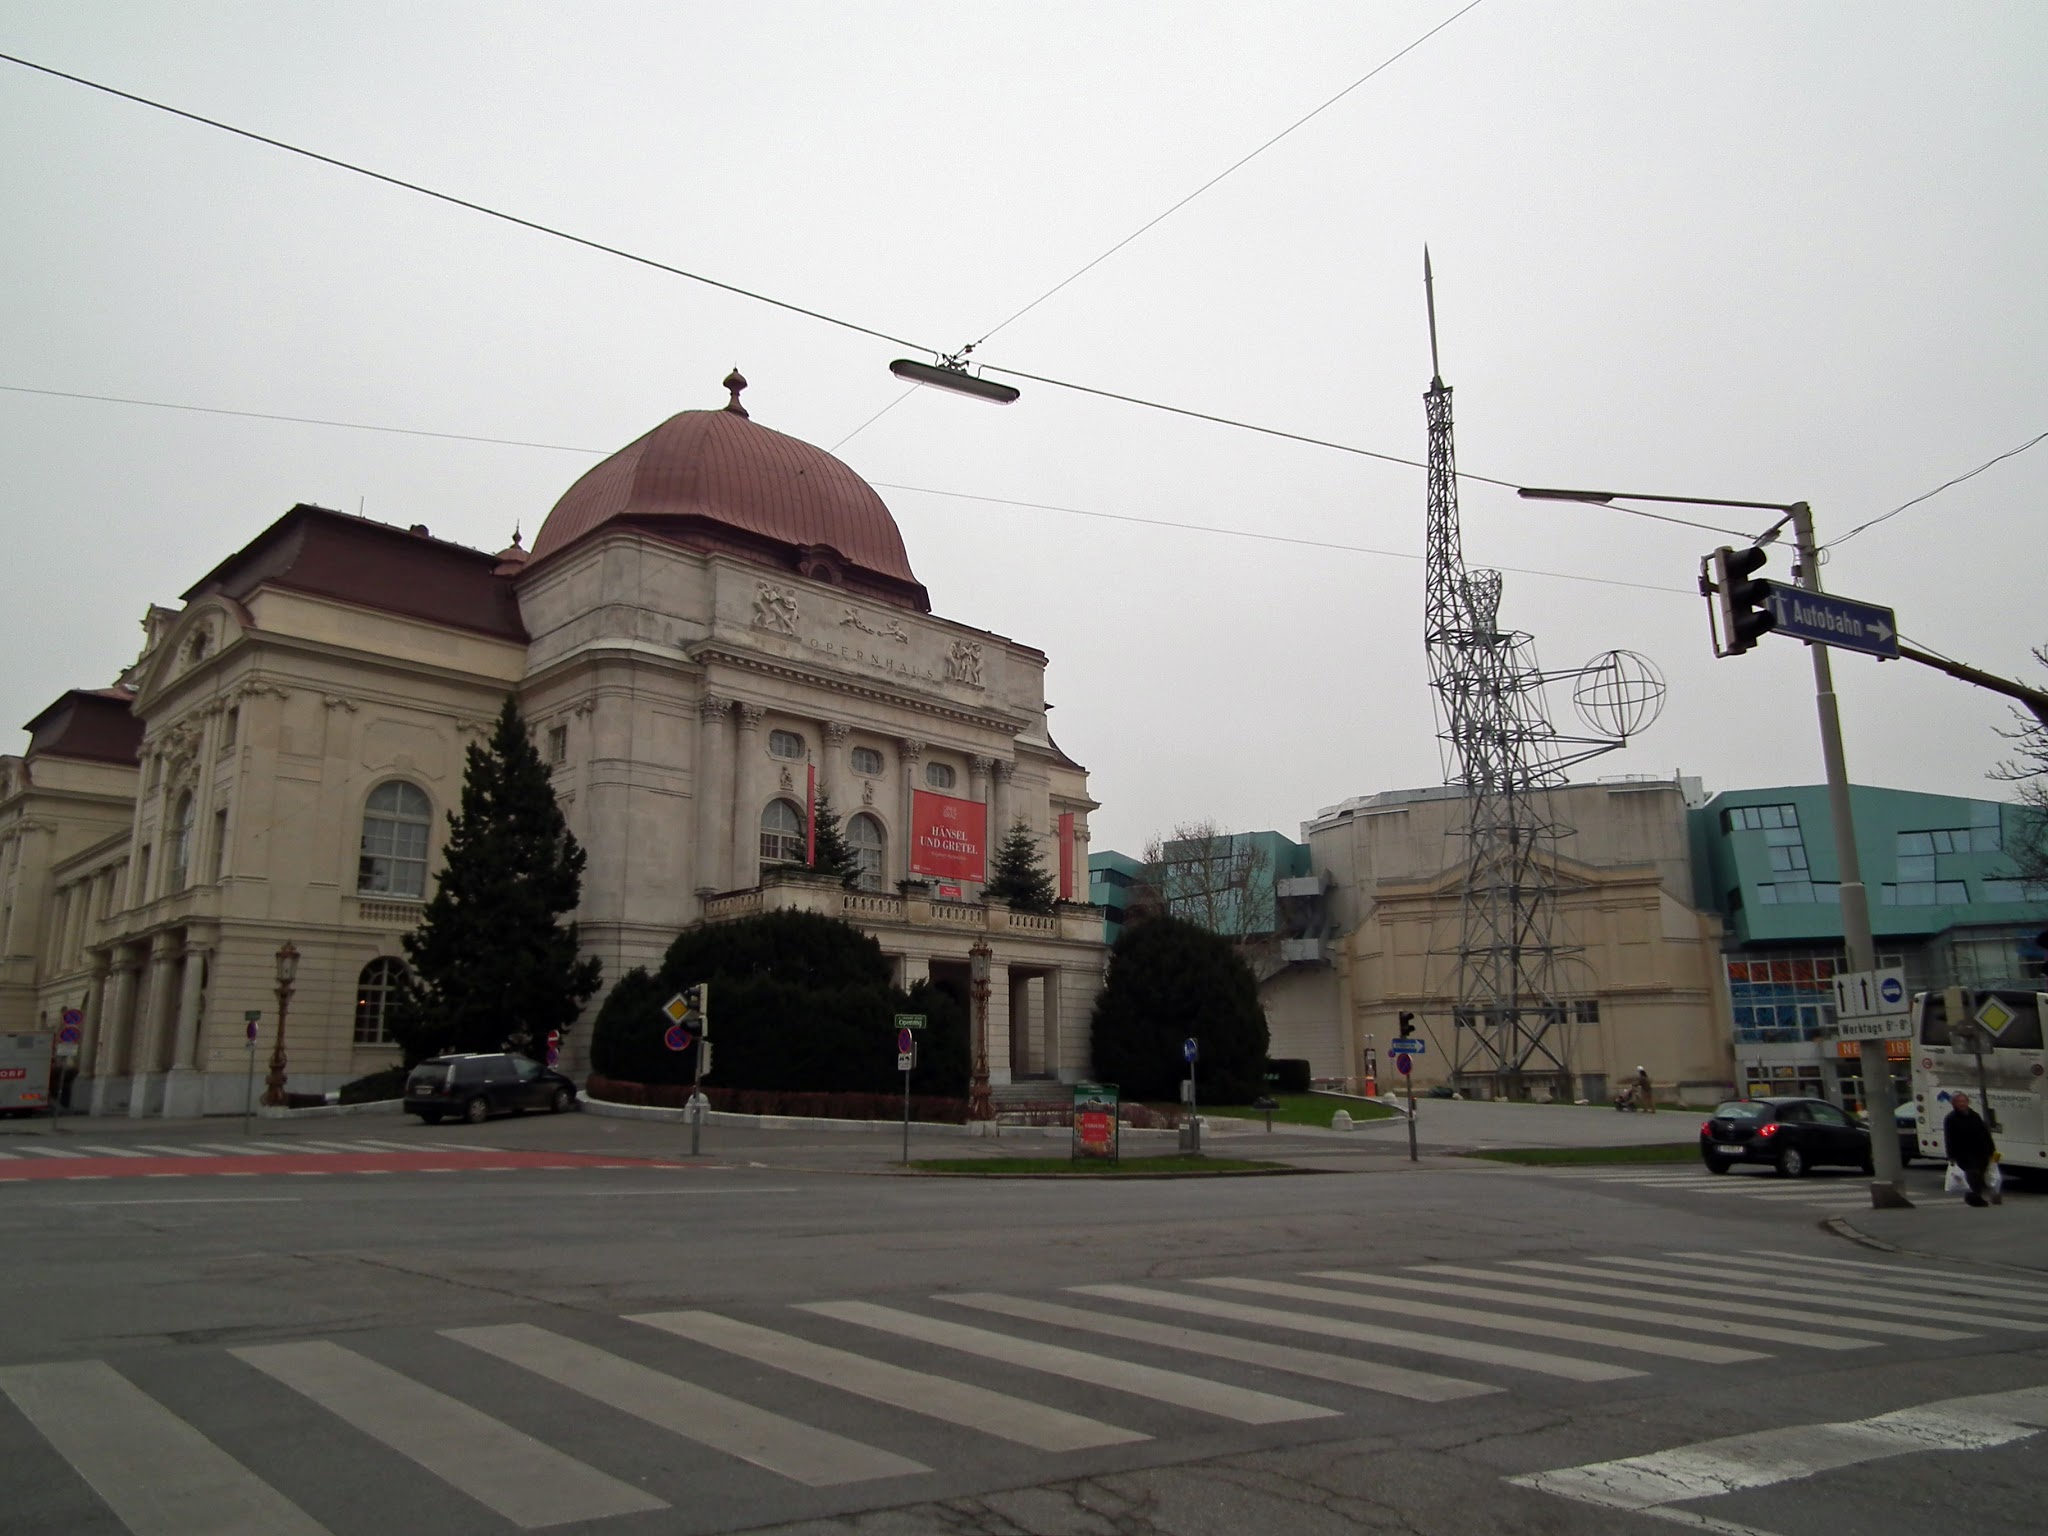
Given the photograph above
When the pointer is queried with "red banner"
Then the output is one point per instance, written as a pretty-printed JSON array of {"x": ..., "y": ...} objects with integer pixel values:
[
  {"x": 1067, "y": 856},
  {"x": 947, "y": 836}
]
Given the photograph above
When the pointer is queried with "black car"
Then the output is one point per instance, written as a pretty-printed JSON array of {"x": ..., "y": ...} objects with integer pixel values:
[
  {"x": 1792, "y": 1135},
  {"x": 484, "y": 1083},
  {"x": 1907, "y": 1118}
]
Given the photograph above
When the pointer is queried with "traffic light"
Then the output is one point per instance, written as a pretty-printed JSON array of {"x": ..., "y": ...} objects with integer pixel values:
[
  {"x": 1407, "y": 1026},
  {"x": 697, "y": 1002},
  {"x": 1744, "y": 598}
]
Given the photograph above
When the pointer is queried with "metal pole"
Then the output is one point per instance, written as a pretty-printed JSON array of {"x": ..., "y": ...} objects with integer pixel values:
[
  {"x": 249, "y": 1098},
  {"x": 906, "y": 1119},
  {"x": 1408, "y": 1077},
  {"x": 1886, "y": 1188}
]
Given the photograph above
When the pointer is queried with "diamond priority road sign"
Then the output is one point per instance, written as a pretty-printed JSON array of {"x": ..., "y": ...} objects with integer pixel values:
[{"x": 1829, "y": 620}]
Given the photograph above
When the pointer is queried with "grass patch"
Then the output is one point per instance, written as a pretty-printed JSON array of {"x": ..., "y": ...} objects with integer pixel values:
[
  {"x": 1303, "y": 1109},
  {"x": 1675, "y": 1152},
  {"x": 1006, "y": 1167}
]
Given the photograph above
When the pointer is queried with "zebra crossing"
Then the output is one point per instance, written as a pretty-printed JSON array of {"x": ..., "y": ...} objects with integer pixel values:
[
  {"x": 1738, "y": 1186},
  {"x": 841, "y": 1394},
  {"x": 28, "y": 1161}
]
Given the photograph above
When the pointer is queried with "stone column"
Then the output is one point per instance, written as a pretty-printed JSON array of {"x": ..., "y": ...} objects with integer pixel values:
[
  {"x": 1000, "y": 811},
  {"x": 999, "y": 1022},
  {"x": 1080, "y": 890},
  {"x": 107, "y": 1063},
  {"x": 185, "y": 1088},
  {"x": 146, "y": 1077},
  {"x": 91, "y": 1032},
  {"x": 978, "y": 789},
  {"x": 910, "y": 759},
  {"x": 1054, "y": 1064},
  {"x": 707, "y": 784},
  {"x": 746, "y": 800},
  {"x": 914, "y": 969},
  {"x": 832, "y": 770}
]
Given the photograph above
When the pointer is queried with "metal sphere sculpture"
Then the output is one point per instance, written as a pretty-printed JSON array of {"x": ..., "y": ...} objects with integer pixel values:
[{"x": 1619, "y": 694}]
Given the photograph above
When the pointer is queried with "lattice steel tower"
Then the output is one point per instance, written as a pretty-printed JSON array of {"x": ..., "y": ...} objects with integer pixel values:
[{"x": 1499, "y": 748}]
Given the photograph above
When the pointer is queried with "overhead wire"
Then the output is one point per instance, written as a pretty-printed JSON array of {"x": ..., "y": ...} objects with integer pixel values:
[
  {"x": 1926, "y": 495},
  {"x": 589, "y": 452},
  {"x": 783, "y": 304},
  {"x": 1232, "y": 167}
]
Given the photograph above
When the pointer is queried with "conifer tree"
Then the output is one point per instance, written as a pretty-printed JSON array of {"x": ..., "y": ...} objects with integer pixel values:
[
  {"x": 1020, "y": 877},
  {"x": 493, "y": 965},
  {"x": 833, "y": 854}
]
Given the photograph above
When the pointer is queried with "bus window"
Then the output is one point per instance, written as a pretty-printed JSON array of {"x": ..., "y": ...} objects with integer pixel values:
[{"x": 1933, "y": 1018}]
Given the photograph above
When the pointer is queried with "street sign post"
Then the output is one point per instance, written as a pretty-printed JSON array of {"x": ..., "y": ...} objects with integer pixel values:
[
  {"x": 1826, "y": 619},
  {"x": 906, "y": 1063},
  {"x": 1872, "y": 1005},
  {"x": 1191, "y": 1132},
  {"x": 1402, "y": 1063}
]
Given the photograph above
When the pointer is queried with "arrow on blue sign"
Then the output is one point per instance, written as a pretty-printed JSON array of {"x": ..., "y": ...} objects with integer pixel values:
[
  {"x": 1825, "y": 619},
  {"x": 1406, "y": 1046},
  {"x": 1188, "y": 1048}
]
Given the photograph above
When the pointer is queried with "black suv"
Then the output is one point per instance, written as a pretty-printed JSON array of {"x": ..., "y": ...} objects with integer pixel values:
[
  {"x": 486, "y": 1082},
  {"x": 1791, "y": 1134}
]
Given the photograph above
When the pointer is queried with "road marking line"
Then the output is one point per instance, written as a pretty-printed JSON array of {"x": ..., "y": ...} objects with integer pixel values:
[
  {"x": 399, "y": 1146},
  {"x": 241, "y": 1149},
  {"x": 1633, "y": 1292},
  {"x": 1687, "y": 1277},
  {"x": 1195, "y": 1392},
  {"x": 112, "y": 1151},
  {"x": 1925, "y": 1291},
  {"x": 1583, "y": 1308},
  {"x": 1759, "y": 1460},
  {"x": 814, "y": 1457},
  {"x": 356, "y": 1147},
  {"x": 48, "y": 1152},
  {"x": 1371, "y": 1375},
  {"x": 1367, "y": 1333},
  {"x": 1944, "y": 1277},
  {"x": 526, "y": 1481},
  {"x": 1856, "y": 1298},
  {"x": 87, "y": 1205},
  {"x": 158, "y": 1474},
  {"x": 164, "y": 1151},
  {"x": 1542, "y": 1328},
  {"x": 939, "y": 1397}
]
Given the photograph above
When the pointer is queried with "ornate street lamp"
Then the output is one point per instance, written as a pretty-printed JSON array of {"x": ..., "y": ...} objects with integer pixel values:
[
  {"x": 978, "y": 1106},
  {"x": 287, "y": 970}
]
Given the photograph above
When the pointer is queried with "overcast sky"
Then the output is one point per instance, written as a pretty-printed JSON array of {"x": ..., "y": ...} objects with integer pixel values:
[{"x": 1766, "y": 251}]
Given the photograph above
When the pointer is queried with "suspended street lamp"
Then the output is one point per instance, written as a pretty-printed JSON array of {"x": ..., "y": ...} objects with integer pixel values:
[{"x": 950, "y": 372}]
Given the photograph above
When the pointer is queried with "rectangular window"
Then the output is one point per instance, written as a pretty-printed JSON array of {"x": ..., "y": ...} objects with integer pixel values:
[
  {"x": 1586, "y": 1011},
  {"x": 558, "y": 744},
  {"x": 1952, "y": 893},
  {"x": 230, "y": 726},
  {"x": 141, "y": 876},
  {"x": 218, "y": 865},
  {"x": 1986, "y": 840},
  {"x": 1788, "y": 858},
  {"x": 1782, "y": 837},
  {"x": 1917, "y": 867},
  {"x": 1799, "y": 891},
  {"x": 1767, "y": 895},
  {"x": 1914, "y": 842}
]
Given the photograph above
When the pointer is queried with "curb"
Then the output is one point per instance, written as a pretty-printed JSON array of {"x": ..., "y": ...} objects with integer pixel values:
[
  {"x": 607, "y": 1108},
  {"x": 328, "y": 1111},
  {"x": 1841, "y": 1227}
]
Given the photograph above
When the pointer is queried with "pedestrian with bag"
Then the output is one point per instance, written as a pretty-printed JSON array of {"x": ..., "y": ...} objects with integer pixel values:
[
  {"x": 1645, "y": 1099},
  {"x": 1967, "y": 1140}
]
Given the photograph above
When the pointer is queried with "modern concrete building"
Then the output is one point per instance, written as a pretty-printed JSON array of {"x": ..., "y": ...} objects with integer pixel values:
[{"x": 706, "y": 620}]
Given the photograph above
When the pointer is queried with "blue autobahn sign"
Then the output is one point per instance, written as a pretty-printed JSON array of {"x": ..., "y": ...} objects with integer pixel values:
[{"x": 1828, "y": 620}]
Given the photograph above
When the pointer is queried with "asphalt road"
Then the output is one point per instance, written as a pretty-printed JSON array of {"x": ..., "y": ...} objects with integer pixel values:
[{"x": 366, "y": 1327}]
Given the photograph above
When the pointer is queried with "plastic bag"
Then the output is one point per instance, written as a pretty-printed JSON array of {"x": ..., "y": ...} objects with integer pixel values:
[
  {"x": 1993, "y": 1180},
  {"x": 1956, "y": 1183}
]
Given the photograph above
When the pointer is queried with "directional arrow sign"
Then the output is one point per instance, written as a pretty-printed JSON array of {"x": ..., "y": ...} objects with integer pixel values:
[
  {"x": 1405, "y": 1045},
  {"x": 1826, "y": 619}
]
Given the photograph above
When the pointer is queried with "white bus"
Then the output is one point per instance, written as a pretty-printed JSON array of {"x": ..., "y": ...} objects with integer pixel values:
[{"x": 2015, "y": 1070}]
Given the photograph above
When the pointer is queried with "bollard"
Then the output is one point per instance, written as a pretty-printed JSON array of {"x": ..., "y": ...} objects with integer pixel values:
[{"x": 1341, "y": 1121}]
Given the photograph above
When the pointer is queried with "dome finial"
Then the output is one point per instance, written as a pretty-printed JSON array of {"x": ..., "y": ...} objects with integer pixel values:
[{"x": 735, "y": 382}]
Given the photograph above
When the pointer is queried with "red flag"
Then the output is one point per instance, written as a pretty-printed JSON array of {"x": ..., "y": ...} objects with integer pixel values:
[
  {"x": 1066, "y": 855},
  {"x": 811, "y": 814}
]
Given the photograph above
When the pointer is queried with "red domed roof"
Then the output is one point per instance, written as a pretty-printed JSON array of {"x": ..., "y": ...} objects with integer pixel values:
[{"x": 715, "y": 480}]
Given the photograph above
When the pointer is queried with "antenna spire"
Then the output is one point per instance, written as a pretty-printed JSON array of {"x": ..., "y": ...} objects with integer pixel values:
[{"x": 1436, "y": 371}]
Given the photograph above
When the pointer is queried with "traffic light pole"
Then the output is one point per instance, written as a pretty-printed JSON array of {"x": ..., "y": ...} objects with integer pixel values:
[{"x": 1886, "y": 1188}]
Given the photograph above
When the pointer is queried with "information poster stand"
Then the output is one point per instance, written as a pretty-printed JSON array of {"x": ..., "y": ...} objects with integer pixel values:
[{"x": 1098, "y": 1129}]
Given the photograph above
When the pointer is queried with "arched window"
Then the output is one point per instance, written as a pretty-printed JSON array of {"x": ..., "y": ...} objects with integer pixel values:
[
  {"x": 782, "y": 834},
  {"x": 394, "y": 857},
  {"x": 179, "y": 846},
  {"x": 864, "y": 836},
  {"x": 867, "y": 762},
  {"x": 787, "y": 744},
  {"x": 940, "y": 775},
  {"x": 375, "y": 988}
]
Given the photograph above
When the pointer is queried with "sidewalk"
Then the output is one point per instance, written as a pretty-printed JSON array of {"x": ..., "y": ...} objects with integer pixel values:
[{"x": 2013, "y": 1235}]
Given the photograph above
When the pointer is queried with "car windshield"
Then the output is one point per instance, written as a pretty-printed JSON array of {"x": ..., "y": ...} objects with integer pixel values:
[{"x": 1743, "y": 1109}]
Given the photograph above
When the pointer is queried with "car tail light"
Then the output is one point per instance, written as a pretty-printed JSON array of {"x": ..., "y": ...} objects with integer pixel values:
[
  {"x": 1706, "y": 1127},
  {"x": 1769, "y": 1130}
]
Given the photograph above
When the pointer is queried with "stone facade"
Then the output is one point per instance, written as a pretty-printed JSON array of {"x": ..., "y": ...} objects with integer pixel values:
[{"x": 296, "y": 734}]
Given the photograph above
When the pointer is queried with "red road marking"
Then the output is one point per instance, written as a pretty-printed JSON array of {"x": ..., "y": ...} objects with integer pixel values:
[{"x": 304, "y": 1162}]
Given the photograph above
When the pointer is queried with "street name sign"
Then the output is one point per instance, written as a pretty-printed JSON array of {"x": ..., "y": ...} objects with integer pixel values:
[
  {"x": 1884, "y": 1026},
  {"x": 1406, "y": 1045},
  {"x": 910, "y": 1021},
  {"x": 1829, "y": 620}
]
